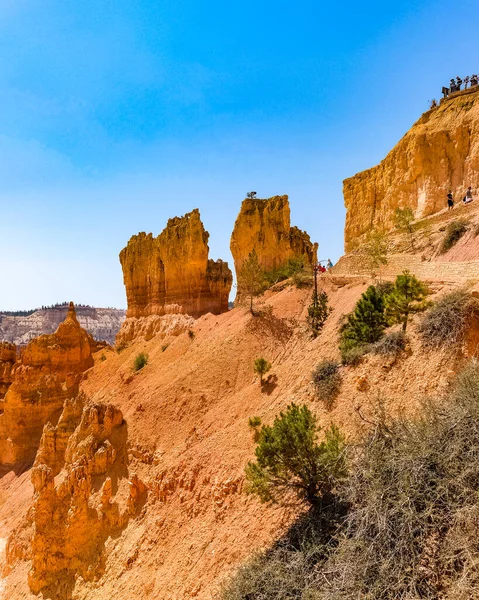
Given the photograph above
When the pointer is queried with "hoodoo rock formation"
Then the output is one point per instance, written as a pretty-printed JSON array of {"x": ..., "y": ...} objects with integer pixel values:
[
  {"x": 265, "y": 226},
  {"x": 440, "y": 152},
  {"x": 8, "y": 355},
  {"x": 48, "y": 372},
  {"x": 172, "y": 273}
]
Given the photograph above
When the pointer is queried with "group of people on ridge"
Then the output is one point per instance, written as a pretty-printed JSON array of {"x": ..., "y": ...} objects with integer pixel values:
[
  {"x": 466, "y": 200},
  {"x": 455, "y": 84}
]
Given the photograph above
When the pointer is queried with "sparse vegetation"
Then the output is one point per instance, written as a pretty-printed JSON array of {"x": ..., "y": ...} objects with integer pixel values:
[
  {"x": 141, "y": 360},
  {"x": 352, "y": 355},
  {"x": 407, "y": 297},
  {"x": 254, "y": 424},
  {"x": 120, "y": 346},
  {"x": 327, "y": 381},
  {"x": 403, "y": 219},
  {"x": 251, "y": 278},
  {"x": 318, "y": 312},
  {"x": 164, "y": 347},
  {"x": 191, "y": 334},
  {"x": 404, "y": 523},
  {"x": 291, "y": 463},
  {"x": 391, "y": 344},
  {"x": 377, "y": 248},
  {"x": 454, "y": 232},
  {"x": 298, "y": 268},
  {"x": 102, "y": 357},
  {"x": 261, "y": 367},
  {"x": 444, "y": 324}
]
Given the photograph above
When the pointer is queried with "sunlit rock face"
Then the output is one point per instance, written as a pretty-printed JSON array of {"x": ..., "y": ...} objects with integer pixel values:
[
  {"x": 172, "y": 272},
  {"x": 440, "y": 152},
  {"x": 48, "y": 372},
  {"x": 8, "y": 356},
  {"x": 265, "y": 226}
]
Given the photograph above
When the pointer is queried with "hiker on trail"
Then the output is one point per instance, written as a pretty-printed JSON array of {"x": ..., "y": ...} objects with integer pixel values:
[
  {"x": 458, "y": 83},
  {"x": 330, "y": 264},
  {"x": 468, "y": 197},
  {"x": 450, "y": 200},
  {"x": 474, "y": 80},
  {"x": 452, "y": 86},
  {"x": 466, "y": 81}
]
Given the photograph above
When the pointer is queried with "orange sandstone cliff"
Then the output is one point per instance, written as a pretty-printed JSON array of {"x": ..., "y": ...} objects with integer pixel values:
[
  {"x": 8, "y": 356},
  {"x": 172, "y": 272},
  {"x": 265, "y": 226},
  {"x": 440, "y": 152},
  {"x": 48, "y": 372}
]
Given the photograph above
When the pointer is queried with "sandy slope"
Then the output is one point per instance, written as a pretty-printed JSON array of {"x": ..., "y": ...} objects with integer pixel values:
[{"x": 187, "y": 414}]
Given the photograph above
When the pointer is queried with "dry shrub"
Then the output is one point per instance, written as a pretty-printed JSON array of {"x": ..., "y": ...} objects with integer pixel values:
[
  {"x": 352, "y": 356},
  {"x": 445, "y": 322},
  {"x": 327, "y": 381},
  {"x": 413, "y": 530},
  {"x": 391, "y": 344},
  {"x": 454, "y": 233}
]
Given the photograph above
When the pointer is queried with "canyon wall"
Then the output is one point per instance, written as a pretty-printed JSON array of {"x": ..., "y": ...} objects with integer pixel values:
[
  {"x": 101, "y": 323},
  {"x": 172, "y": 273},
  {"x": 8, "y": 356},
  {"x": 48, "y": 372},
  {"x": 265, "y": 226},
  {"x": 440, "y": 152}
]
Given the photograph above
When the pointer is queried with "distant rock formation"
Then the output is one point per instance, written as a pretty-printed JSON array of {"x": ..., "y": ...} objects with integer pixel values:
[
  {"x": 101, "y": 323},
  {"x": 48, "y": 372},
  {"x": 440, "y": 152},
  {"x": 265, "y": 226},
  {"x": 172, "y": 273}
]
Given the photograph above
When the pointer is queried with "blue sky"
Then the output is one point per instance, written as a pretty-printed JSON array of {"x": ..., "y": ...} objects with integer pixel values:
[{"x": 116, "y": 115}]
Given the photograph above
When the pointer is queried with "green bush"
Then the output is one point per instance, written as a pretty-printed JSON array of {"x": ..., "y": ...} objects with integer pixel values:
[
  {"x": 298, "y": 268},
  {"x": 454, "y": 232},
  {"x": 390, "y": 344},
  {"x": 191, "y": 334},
  {"x": 141, "y": 360},
  {"x": 444, "y": 324},
  {"x": 408, "y": 297},
  {"x": 327, "y": 381},
  {"x": 318, "y": 312},
  {"x": 351, "y": 355},
  {"x": 365, "y": 325},
  {"x": 291, "y": 463},
  {"x": 102, "y": 358},
  {"x": 119, "y": 347},
  {"x": 254, "y": 424},
  {"x": 261, "y": 367}
]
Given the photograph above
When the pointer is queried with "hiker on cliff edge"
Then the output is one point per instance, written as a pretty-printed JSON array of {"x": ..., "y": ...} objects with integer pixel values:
[{"x": 450, "y": 200}]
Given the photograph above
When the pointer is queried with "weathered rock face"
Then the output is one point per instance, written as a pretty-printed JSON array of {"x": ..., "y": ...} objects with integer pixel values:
[
  {"x": 172, "y": 272},
  {"x": 440, "y": 152},
  {"x": 92, "y": 498},
  {"x": 48, "y": 372},
  {"x": 265, "y": 226},
  {"x": 101, "y": 323},
  {"x": 8, "y": 356}
]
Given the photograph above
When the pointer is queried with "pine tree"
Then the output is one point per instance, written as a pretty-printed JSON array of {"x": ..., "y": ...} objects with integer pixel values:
[
  {"x": 318, "y": 312},
  {"x": 261, "y": 367},
  {"x": 403, "y": 219},
  {"x": 367, "y": 322},
  {"x": 407, "y": 297},
  {"x": 251, "y": 278},
  {"x": 377, "y": 248}
]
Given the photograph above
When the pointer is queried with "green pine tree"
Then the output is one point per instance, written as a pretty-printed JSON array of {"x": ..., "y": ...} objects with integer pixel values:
[
  {"x": 289, "y": 459},
  {"x": 318, "y": 312},
  {"x": 367, "y": 322},
  {"x": 407, "y": 297}
]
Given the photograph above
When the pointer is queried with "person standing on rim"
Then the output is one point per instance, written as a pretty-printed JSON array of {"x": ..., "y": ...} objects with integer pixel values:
[
  {"x": 468, "y": 197},
  {"x": 450, "y": 200}
]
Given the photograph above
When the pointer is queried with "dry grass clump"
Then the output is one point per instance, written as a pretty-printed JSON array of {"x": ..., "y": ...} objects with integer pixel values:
[
  {"x": 454, "y": 232},
  {"x": 391, "y": 344},
  {"x": 327, "y": 381},
  {"x": 445, "y": 323}
]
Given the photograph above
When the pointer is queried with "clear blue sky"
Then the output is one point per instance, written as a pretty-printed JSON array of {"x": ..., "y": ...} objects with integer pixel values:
[{"x": 116, "y": 115}]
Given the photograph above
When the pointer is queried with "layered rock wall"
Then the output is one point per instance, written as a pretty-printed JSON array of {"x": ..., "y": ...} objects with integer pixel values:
[
  {"x": 440, "y": 152},
  {"x": 48, "y": 372},
  {"x": 101, "y": 323},
  {"x": 265, "y": 226},
  {"x": 172, "y": 272}
]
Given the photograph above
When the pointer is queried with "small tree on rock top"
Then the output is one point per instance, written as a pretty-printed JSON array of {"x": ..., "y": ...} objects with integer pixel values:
[
  {"x": 251, "y": 278},
  {"x": 290, "y": 461},
  {"x": 407, "y": 297},
  {"x": 261, "y": 367}
]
